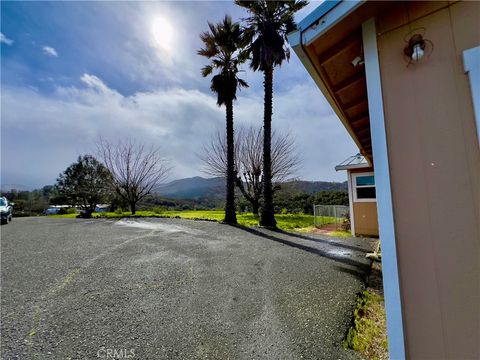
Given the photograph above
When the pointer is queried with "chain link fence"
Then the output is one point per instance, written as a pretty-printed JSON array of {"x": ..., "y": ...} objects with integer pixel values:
[{"x": 339, "y": 215}]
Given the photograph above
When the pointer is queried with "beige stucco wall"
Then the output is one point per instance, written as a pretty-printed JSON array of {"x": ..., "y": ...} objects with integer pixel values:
[{"x": 435, "y": 168}]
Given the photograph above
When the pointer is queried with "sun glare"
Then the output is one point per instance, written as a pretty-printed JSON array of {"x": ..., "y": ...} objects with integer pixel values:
[{"x": 162, "y": 33}]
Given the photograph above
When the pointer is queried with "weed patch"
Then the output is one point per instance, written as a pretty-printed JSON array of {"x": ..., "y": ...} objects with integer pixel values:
[{"x": 368, "y": 334}]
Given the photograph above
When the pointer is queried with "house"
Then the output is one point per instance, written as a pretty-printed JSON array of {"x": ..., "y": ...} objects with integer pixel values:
[
  {"x": 403, "y": 77},
  {"x": 361, "y": 195}
]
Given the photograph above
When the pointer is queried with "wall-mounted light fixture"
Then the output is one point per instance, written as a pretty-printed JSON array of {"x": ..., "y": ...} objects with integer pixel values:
[
  {"x": 417, "y": 46},
  {"x": 358, "y": 60}
]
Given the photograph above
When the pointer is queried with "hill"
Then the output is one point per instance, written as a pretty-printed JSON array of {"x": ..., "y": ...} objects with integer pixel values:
[
  {"x": 193, "y": 188},
  {"x": 312, "y": 187},
  {"x": 198, "y": 187}
]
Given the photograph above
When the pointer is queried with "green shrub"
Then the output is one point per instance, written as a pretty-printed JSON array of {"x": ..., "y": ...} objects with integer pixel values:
[
  {"x": 119, "y": 211},
  {"x": 64, "y": 211},
  {"x": 159, "y": 210}
]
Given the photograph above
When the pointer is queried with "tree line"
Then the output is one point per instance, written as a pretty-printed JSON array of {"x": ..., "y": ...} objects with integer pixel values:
[{"x": 34, "y": 202}]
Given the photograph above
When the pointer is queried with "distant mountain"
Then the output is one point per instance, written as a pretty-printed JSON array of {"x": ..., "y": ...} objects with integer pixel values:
[
  {"x": 198, "y": 187},
  {"x": 312, "y": 187},
  {"x": 193, "y": 188}
]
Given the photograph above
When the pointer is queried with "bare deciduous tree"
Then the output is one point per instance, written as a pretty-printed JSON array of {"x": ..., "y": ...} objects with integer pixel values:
[
  {"x": 214, "y": 155},
  {"x": 249, "y": 160},
  {"x": 137, "y": 170}
]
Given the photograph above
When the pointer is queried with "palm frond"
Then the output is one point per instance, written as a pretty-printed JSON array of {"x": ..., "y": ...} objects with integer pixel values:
[
  {"x": 265, "y": 36},
  {"x": 223, "y": 46},
  {"x": 207, "y": 70},
  {"x": 242, "y": 83}
]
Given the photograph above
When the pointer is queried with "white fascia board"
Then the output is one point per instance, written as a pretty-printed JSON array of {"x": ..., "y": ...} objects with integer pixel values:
[
  {"x": 349, "y": 167},
  {"x": 328, "y": 20},
  {"x": 386, "y": 225},
  {"x": 317, "y": 13},
  {"x": 471, "y": 64},
  {"x": 295, "y": 38}
]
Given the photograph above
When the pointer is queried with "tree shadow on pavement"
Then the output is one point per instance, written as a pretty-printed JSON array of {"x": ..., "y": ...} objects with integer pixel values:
[
  {"x": 330, "y": 243},
  {"x": 358, "y": 268}
]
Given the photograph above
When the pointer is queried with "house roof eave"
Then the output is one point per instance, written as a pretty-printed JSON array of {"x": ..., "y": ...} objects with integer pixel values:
[
  {"x": 323, "y": 18},
  {"x": 350, "y": 167},
  {"x": 307, "y": 63}
]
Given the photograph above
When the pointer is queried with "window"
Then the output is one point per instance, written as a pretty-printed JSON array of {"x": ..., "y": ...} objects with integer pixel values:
[{"x": 364, "y": 187}]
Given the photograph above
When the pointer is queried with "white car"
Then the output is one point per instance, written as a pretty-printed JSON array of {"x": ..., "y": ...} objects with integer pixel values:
[{"x": 6, "y": 210}]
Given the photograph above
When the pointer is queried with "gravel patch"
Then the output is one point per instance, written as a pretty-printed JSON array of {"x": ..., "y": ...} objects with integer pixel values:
[{"x": 170, "y": 288}]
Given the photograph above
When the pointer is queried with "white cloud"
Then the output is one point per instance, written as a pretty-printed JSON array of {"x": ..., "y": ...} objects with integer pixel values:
[
  {"x": 94, "y": 82},
  {"x": 5, "y": 40},
  {"x": 50, "y": 51},
  {"x": 45, "y": 141}
]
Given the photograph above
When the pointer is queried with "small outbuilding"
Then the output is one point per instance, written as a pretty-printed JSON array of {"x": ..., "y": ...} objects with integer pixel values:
[{"x": 361, "y": 195}]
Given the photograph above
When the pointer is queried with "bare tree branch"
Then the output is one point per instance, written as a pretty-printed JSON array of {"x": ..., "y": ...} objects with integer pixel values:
[
  {"x": 249, "y": 160},
  {"x": 137, "y": 171}
]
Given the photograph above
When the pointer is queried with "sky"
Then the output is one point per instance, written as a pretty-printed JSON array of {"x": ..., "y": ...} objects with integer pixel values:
[{"x": 72, "y": 72}]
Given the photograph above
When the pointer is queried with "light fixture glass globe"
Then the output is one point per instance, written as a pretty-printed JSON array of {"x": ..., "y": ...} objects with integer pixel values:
[{"x": 417, "y": 53}]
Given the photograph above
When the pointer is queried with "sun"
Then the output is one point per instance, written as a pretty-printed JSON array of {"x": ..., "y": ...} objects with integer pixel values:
[{"x": 162, "y": 32}]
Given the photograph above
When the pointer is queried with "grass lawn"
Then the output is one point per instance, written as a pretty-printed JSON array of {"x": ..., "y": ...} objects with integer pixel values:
[
  {"x": 340, "y": 233},
  {"x": 284, "y": 221}
]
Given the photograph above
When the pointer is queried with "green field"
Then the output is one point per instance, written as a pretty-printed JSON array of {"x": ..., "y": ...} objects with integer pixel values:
[{"x": 284, "y": 221}]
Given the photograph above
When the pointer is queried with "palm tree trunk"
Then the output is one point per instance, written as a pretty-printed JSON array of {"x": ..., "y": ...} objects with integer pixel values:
[
  {"x": 267, "y": 218},
  {"x": 255, "y": 207},
  {"x": 230, "y": 215}
]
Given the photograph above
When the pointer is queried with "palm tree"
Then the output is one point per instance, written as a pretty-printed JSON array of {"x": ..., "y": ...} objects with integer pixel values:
[
  {"x": 222, "y": 47},
  {"x": 265, "y": 37}
]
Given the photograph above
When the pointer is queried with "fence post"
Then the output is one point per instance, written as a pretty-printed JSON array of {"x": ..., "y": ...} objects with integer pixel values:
[{"x": 335, "y": 215}]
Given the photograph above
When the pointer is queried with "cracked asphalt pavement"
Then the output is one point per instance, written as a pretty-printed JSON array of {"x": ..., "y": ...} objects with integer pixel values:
[{"x": 174, "y": 289}]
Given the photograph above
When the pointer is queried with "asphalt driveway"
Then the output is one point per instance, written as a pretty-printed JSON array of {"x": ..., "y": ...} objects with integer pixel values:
[{"x": 168, "y": 288}]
